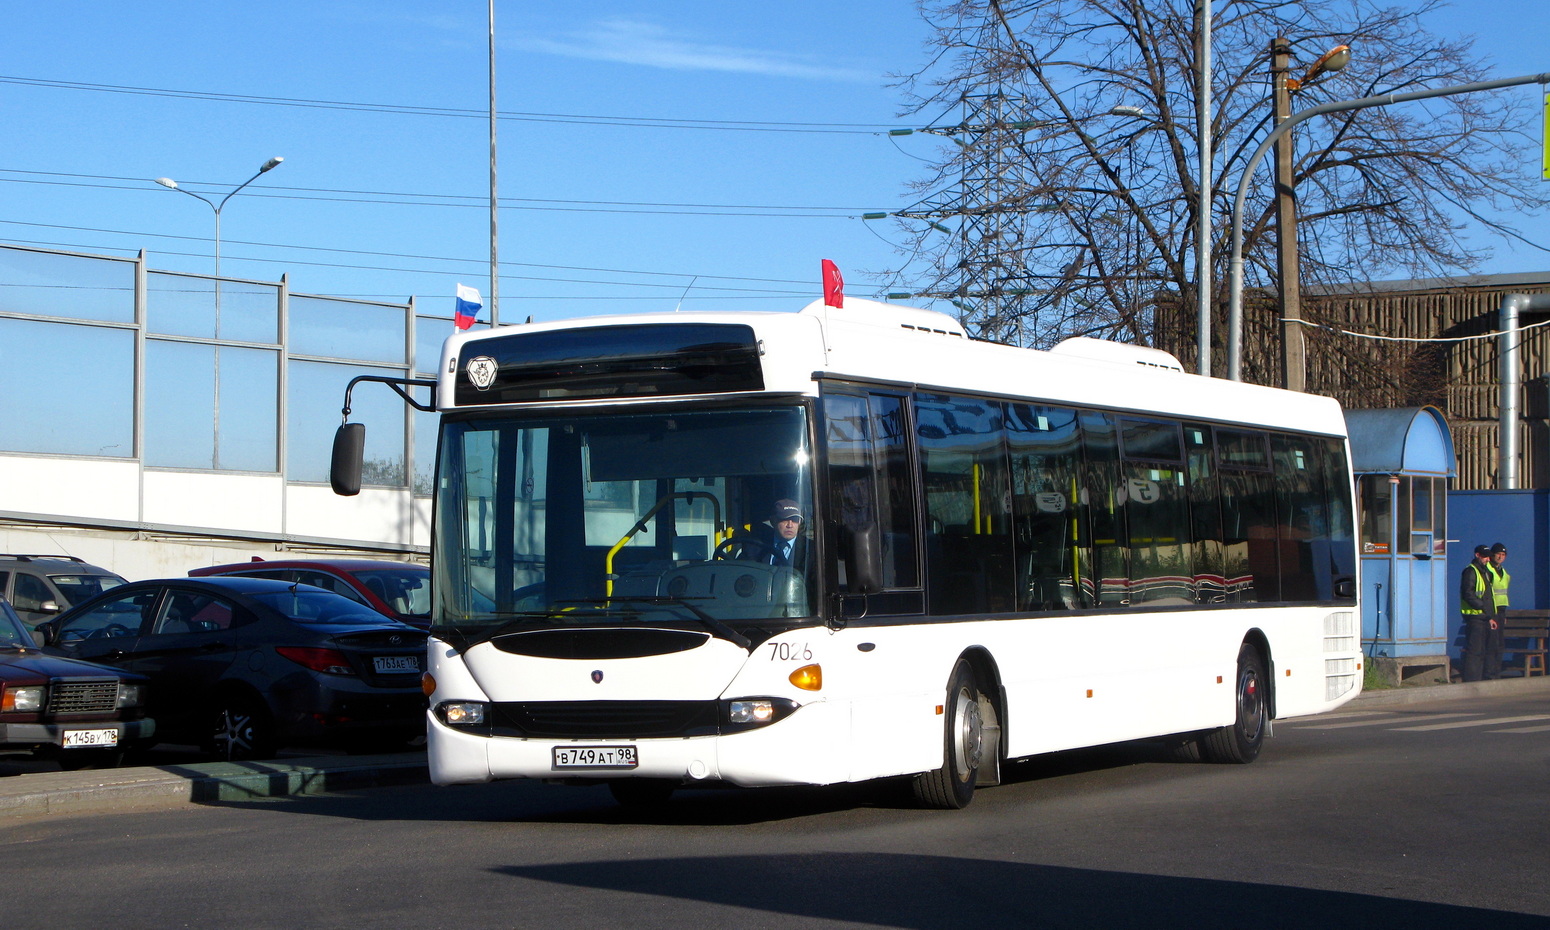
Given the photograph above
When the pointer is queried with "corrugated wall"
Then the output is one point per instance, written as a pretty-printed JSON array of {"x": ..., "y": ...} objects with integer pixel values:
[{"x": 1459, "y": 376}]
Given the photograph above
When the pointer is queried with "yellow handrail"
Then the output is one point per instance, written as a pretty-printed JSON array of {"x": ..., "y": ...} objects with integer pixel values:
[{"x": 640, "y": 527}]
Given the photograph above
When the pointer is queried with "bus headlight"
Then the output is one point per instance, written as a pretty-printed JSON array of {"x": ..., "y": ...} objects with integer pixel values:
[
  {"x": 748, "y": 713},
  {"x": 461, "y": 713}
]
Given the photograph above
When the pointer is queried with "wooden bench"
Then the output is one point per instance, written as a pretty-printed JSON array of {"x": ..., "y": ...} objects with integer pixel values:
[{"x": 1523, "y": 634}]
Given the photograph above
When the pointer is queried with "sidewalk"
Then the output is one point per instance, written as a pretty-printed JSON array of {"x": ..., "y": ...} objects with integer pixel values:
[
  {"x": 1421, "y": 694},
  {"x": 47, "y": 793}
]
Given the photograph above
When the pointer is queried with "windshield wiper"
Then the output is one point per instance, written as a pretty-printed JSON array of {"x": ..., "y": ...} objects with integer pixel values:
[{"x": 711, "y": 623}]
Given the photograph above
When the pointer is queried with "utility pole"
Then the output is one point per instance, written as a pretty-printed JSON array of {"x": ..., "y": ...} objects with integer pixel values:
[{"x": 1294, "y": 368}]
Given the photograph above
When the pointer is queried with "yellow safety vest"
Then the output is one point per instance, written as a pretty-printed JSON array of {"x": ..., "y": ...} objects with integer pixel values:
[
  {"x": 1479, "y": 591},
  {"x": 1499, "y": 587}
]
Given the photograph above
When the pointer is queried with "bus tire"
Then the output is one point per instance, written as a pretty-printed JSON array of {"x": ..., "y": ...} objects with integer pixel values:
[
  {"x": 1241, "y": 741},
  {"x": 951, "y": 787}
]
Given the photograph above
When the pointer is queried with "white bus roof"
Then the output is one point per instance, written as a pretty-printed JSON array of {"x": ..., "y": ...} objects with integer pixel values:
[{"x": 873, "y": 342}]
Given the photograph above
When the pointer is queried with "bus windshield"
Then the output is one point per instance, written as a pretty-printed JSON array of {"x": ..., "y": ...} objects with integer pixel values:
[{"x": 634, "y": 518}]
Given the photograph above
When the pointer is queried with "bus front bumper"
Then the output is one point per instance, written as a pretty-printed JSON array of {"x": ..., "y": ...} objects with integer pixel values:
[{"x": 806, "y": 748}]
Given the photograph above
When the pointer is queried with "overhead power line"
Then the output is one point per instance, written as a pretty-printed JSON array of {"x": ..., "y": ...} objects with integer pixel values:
[
  {"x": 678, "y": 277},
  {"x": 460, "y": 113},
  {"x": 420, "y": 199}
]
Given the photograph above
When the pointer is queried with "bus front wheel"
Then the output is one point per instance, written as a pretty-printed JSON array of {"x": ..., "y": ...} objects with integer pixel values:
[
  {"x": 1241, "y": 741},
  {"x": 951, "y": 787}
]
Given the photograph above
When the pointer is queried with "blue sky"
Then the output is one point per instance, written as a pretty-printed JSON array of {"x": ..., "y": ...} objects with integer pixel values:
[{"x": 706, "y": 152}]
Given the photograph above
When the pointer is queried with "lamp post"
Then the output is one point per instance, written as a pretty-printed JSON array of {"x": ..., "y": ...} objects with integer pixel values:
[
  {"x": 170, "y": 184},
  {"x": 1203, "y": 208},
  {"x": 1235, "y": 289},
  {"x": 1294, "y": 366}
]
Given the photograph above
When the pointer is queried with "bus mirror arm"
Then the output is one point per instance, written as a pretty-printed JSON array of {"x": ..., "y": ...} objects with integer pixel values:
[{"x": 344, "y": 472}]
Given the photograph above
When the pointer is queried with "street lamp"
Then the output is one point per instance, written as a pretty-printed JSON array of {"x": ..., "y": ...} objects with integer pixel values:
[
  {"x": 1293, "y": 349},
  {"x": 170, "y": 184},
  {"x": 1235, "y": 289}
]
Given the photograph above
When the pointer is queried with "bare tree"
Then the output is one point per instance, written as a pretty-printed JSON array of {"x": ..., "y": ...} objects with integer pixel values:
[{"x": 1067, "y": 204}]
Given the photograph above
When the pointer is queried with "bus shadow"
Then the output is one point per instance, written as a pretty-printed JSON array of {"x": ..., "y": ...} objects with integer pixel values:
[
  {"x": 526, "y": 801},
  {"x": 922, "y": 891}
]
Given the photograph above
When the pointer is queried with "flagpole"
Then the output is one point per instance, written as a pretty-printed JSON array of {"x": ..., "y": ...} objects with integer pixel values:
[{"x": 495, "y": 280}]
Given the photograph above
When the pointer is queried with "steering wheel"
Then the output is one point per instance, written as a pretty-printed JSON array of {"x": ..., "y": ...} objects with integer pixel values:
[
  {"x": 746, "y": 546},
  {"x": 114, "y": 629}
]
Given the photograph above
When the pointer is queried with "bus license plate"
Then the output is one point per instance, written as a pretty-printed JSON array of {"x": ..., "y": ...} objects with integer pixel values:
[
  {"x": 85, "y": 739},
  {"x": 595, "y": 757},
  {"x": 390, "y": 665}
]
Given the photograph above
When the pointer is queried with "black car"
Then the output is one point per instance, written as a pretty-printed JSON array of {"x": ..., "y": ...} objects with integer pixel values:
[
  {"x": 243, "y": 666},
  {"x": 75, "y": 712}
]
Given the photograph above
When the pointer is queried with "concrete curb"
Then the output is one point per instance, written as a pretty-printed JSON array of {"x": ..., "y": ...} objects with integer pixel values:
[
  {"x": 1423, "y": 694},
  {"x": 52, "y": 793}
]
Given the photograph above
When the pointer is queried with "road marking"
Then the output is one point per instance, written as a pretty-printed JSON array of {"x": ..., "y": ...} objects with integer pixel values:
[
  {"x": 1386, "y": 720},
  {"x": 1473, "y": 723},
  {"x": 1544, "y": 729}
]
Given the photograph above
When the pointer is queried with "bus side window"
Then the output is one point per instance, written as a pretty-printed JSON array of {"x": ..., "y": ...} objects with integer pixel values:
[
  {"x": 963, "y": 476},
  {"x": 871, "y": 490},
  {"x": 1205, "y": 514},
  {"x": 1049, "y": 538},
  {"x": 1106, "y": 577},
  {"x": 852, "y": 498}
]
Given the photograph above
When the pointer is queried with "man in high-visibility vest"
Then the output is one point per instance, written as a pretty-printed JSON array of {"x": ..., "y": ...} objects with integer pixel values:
[
  {"x": 1482, "y": 629},
  {"x": 1500, "y": 582}
]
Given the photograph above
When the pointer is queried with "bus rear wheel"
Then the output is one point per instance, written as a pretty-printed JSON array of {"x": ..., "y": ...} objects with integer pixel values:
[
  {"x": 951, "y": 787},
  {"x": 1241, "y": 741}
]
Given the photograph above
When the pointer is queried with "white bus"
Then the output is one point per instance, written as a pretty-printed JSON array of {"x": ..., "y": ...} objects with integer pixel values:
[{"x": 1003, "y": 552}]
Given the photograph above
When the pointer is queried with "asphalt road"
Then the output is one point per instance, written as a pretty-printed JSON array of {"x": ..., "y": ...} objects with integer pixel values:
[{"x": 1390, "y": 815}]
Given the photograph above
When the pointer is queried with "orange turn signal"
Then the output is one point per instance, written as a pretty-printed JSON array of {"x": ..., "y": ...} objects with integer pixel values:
[
  {"x": 428, "y": 684},
  {"x": 808, "y": 678}
]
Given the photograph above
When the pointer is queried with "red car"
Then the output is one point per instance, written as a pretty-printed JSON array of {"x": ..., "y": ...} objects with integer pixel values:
[{"x": 401, "y": 590}]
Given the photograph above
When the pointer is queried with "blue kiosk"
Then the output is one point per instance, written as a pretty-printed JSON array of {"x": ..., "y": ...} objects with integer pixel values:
[{"x": 1402, "y": 460}]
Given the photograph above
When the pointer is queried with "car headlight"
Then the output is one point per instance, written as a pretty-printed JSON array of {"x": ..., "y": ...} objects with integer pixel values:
[
  {"x": 28, "y": 700},
  {"x": 130, "y": 695}
]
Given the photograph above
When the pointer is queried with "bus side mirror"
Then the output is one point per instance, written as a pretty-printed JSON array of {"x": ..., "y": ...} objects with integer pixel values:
[
  {"x": 1345, "y": 587},
  {"x": 865, "y": 572},
  {"x": 344, "y": 472}
]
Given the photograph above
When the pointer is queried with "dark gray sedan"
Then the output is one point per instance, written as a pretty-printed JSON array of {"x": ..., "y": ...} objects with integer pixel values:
[{"x": 243, "y": 666}]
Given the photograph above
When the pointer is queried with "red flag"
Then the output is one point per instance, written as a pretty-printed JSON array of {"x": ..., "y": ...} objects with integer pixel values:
[{"x": 833, "y": 285}]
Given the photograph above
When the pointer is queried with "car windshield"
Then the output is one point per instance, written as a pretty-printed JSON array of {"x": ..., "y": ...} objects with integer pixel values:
[
  {"x": 407, "y": 591},
  {"x": 306, "y": 604},
  {"x": 635, "y": 517},
  {"x": 82, "y": 587},
  {"x": 12, "y": 633}
]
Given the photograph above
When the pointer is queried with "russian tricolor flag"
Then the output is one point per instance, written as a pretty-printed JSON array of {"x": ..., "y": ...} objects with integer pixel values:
[{"x": 468, "y": 304}]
